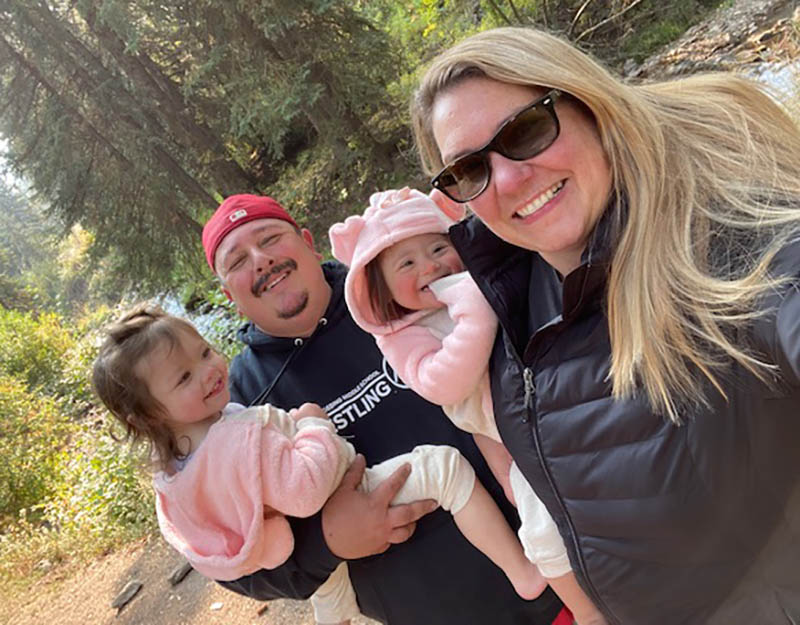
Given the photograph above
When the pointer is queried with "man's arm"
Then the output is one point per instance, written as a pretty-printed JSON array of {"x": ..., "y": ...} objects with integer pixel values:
[{"x": 306, "y": 569}]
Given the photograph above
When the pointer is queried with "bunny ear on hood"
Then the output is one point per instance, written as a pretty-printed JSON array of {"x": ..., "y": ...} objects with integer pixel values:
[
  {"x": 344, "y": 237},
  {"x": 391, "y": 217}
]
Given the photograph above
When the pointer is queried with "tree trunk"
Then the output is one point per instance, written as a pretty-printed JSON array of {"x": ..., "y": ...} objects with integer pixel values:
[
  {"x": 71, "y": 110},
  {"x": 97, "y": 77},
  {"x": 162, "y": 92}
]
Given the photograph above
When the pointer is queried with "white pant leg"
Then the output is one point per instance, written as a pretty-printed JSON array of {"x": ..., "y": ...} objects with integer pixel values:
[
  {"x": 438, "y": 472},
  {"x": 538, "y": 533},
  {"x": 335, "y": 601}
]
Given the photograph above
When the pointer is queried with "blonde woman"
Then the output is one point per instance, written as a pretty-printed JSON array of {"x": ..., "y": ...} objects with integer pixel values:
[{"x": 641, "y": 248}]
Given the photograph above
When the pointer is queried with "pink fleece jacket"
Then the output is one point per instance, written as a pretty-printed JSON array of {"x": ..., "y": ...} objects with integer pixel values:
[
  {"x": 224, "y": 511},
  {"x": 444, "y": 370}
]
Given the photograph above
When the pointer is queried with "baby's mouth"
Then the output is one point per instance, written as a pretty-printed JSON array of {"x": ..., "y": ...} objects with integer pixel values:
[
  {"x": 427, "y": 287},
  {"x": 215, "y": 389}
]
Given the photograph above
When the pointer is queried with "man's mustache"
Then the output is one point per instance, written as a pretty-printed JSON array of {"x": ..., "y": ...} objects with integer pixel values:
[{"x": 264, "y": 279}]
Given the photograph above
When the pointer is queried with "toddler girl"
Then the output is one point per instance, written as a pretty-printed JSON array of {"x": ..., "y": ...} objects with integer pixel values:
[
  {"x": 228, "y": 475},
  {"x": 407, "y": 287}
]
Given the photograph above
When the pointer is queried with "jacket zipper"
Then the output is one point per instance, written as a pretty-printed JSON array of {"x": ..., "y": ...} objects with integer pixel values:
[{"x": 530, "y": 392}]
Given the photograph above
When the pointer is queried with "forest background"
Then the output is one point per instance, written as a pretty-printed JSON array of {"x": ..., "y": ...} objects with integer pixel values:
[{"x": 124, "y": 124}]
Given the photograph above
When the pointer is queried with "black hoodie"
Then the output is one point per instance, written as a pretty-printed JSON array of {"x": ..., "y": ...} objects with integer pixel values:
[{"x": 436, "y": 577}]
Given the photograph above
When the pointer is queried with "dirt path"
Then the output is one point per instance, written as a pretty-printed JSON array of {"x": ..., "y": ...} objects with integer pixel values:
[
  {"x": 85, "y": 596},
  {"x": 746, "y": 35}
]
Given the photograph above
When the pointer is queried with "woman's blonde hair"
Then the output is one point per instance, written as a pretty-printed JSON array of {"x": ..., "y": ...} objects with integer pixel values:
[{"x": 709, "y": 169}]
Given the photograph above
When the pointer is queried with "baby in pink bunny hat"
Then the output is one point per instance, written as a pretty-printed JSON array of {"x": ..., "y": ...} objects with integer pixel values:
[{"x": 406, "y": 285}]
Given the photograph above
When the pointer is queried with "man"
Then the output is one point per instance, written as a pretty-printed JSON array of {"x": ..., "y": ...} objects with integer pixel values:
[{"x": 302, "y": 346}]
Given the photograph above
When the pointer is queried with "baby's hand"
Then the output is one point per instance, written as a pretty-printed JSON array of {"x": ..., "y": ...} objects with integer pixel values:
[{"x": 307, "y": 410}]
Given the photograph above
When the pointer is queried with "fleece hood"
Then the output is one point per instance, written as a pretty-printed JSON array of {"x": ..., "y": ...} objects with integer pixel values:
[{"x": 392, "y": 216}]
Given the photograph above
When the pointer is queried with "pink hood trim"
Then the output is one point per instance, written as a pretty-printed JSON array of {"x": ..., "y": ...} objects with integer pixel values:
[{"x": 391, "y": 217}]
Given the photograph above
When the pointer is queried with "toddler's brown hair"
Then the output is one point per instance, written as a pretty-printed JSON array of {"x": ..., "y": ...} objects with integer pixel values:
[{"x": 130, "y": 339}]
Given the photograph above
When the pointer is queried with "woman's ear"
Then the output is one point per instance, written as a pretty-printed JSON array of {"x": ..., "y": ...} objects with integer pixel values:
[{"x": 453, "y": 210}]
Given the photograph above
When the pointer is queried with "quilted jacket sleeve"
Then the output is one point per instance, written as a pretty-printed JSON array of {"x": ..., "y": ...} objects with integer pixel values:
[
  {"x": 787, "y": 336},
  {"x": 777, "y": 332}
]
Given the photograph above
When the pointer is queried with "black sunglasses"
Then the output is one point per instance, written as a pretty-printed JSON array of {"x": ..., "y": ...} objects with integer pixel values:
[{"x": 529, "y": 132}]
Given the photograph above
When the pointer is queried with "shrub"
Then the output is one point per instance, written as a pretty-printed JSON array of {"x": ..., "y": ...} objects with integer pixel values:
[
  {"x": 98, "y": 498},
  {"x": 32, "y": 348},
  {"x": 32, "y": 435},
  {"x": 67, "y": 488},
  {"x": 102, "y": 486}
]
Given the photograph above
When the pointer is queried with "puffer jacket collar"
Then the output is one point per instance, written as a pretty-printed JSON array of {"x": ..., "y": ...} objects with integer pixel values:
[{"x": 527, "y": 275}]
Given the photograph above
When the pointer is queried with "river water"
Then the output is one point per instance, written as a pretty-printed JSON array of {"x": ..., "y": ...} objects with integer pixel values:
[
  {"x": 784, "y": 81},
  {"x": 218, "y": 325}
]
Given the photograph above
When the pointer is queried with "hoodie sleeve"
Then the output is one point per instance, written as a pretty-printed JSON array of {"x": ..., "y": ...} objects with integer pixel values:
[
  {"x": 299, "y": 472},
  {"x": 448, "y": 371}
]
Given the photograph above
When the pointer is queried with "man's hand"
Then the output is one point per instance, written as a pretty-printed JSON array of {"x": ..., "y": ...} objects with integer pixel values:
[{"x": 358, "y": 524}]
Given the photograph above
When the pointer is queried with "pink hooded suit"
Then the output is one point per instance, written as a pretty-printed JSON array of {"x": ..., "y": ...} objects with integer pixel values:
[
  {"x": 225, "y": 509},
  {"x": 442, "y": 354},
  {"x": 226, "y": 516}
]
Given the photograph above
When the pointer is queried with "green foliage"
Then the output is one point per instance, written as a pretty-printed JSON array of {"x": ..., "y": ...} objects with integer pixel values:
[
  {"x": 67, "y": 488},
  {"x": 667, "y": 24},
  {"x": 133, "y": 119},
  {"x": 31, "y": 434},
  {"x": 31, "y": 349},
  {"x": 101, "y": 486},
  {"x": 98, "y": 499},
  {"x": 26, "y": 238}
]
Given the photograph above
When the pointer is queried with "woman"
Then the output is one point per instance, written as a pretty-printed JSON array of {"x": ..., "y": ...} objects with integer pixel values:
[{"x": 641, "y": 248}]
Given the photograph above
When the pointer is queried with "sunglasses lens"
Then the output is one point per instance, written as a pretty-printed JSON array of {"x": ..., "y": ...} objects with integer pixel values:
[
  {"x": 465, "y": 178},
  {"x": 532, "y": 131},
  {"x": 529, "y": 134}
]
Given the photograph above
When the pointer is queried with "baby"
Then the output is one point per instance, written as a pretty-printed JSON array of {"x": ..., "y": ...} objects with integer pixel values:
[{"x": 407, "y": 287}]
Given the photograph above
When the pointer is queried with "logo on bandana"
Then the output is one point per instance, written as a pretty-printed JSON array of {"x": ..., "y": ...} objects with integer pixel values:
[{"x": 236, "y": 216}]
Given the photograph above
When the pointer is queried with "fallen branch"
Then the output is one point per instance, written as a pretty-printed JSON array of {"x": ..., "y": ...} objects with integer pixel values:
[
  {"x": 611, "y": 18},
  {"x": 577, "y": 17}
]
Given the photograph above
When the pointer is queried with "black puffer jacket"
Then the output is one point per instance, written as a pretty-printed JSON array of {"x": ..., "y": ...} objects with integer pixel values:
[
  {"x": 436, "y": 577},
  {"x": 664, "y": 524}
]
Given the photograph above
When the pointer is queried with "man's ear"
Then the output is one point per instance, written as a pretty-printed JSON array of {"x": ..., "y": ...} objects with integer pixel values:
[
  {"x": 309, "y": 240},
  {"x": 227, "y": 293}
]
